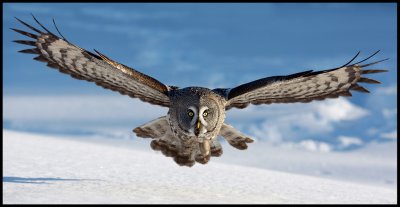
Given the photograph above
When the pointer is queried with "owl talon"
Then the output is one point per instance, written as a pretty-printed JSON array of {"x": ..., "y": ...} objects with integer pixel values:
[
  {"x": 184, "y": 161},
  {"x": 216, "y": 153},
  {"x": 155, "y": 146},
  {"x": 203, "y": 159}
]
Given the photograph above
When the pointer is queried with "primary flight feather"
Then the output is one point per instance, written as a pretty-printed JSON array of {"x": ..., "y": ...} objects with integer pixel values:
[{"x": 188, "y": 133}]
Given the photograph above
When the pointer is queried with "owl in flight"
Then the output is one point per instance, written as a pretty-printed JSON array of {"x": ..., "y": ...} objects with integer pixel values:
[{"x": 188, "y": 133}]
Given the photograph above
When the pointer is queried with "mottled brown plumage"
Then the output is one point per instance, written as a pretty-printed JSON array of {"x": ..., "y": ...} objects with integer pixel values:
[
  {"x": 301, "y": 87},
  {"x": 84, "y": 65},
  {"x": 196, "y": 115}
]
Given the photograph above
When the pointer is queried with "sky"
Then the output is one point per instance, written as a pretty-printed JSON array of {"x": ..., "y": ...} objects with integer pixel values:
[{"x": 209, "y": 45}]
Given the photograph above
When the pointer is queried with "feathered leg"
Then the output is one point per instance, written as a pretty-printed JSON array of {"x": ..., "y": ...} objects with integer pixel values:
[{"x": 185, "y": 152}]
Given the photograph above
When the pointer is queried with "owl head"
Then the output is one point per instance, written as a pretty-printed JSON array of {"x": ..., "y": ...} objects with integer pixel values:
[{"x": 196, "y": 112}]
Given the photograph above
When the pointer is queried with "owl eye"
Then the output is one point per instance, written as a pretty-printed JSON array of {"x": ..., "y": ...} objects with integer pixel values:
[
  {"x": 190, "y": 113},
  {"x": 205, "y": 113}
]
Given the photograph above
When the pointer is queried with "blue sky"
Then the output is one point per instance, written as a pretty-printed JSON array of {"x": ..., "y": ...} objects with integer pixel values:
[{"x": 211, "y": 45}]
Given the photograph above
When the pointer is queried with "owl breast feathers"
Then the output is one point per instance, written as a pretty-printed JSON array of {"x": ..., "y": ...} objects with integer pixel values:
[{"x": 196, "y": 116}]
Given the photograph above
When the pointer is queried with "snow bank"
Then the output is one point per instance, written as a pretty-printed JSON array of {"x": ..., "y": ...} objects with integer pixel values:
[{"x": 45, "y": 169}]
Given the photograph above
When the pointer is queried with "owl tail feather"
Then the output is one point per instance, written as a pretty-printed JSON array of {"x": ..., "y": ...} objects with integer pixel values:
[{"x": 234, "y": 137}]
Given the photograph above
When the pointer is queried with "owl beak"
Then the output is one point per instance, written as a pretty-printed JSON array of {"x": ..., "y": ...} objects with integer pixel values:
[
  {"x": 197, "y": 129},
  {"x": 198, "y": 124}
]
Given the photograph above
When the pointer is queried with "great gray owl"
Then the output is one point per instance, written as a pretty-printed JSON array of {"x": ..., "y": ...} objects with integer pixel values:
[{"x": 188, "y": 133}]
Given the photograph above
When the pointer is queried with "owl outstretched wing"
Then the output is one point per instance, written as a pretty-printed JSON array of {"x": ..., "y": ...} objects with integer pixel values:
[
  {"x": 302, "y": 87},
  {"x": 68, "y": 58}
]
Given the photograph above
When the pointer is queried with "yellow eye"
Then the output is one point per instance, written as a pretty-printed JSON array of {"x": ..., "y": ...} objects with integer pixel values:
[
  {"x": 190, "y": 113},
  {"x": 205, "y": 113}
]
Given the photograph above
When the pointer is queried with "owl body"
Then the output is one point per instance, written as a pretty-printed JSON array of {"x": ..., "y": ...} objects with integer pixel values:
[
  {"x": 196, "y": 115},
  {"x": 194, "y": 123}
]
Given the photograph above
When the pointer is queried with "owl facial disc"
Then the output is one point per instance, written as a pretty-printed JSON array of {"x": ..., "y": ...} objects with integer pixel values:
[{"x": 197, "y": 124}]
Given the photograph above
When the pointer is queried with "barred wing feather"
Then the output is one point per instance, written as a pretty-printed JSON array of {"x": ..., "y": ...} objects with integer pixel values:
[
  {"x": 67, "y": 58},
  {"x": 302, "y": 87}
]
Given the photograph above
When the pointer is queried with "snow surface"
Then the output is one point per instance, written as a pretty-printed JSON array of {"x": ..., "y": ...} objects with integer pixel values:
[{"x": 49, "y": 169}]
